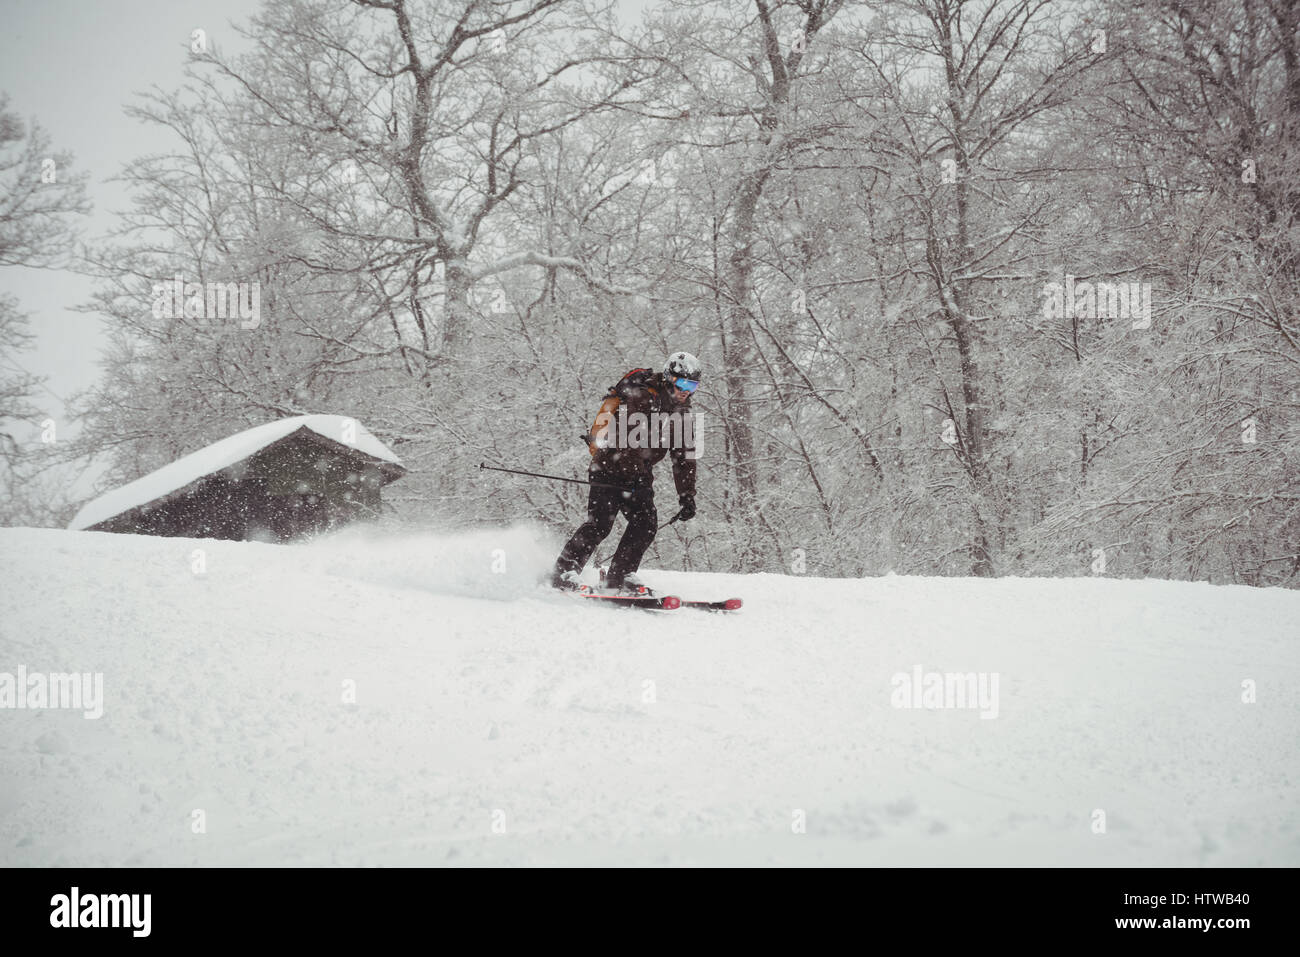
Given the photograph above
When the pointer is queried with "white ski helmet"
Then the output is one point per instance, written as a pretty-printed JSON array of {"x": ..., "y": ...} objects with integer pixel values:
[{"x": 682, "y": 365}]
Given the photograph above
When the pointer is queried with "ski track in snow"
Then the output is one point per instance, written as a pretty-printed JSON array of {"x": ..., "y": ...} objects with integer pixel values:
[{"x": 593, "y": 735}]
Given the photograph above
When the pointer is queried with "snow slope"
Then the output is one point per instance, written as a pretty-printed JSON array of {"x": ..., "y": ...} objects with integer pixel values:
[{"x": 493, "y": 723}]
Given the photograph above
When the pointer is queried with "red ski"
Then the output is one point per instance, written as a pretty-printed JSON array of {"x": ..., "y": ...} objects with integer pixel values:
[
  {"x": 726, "y": 604},
  {"x": 653, "y": 602}
]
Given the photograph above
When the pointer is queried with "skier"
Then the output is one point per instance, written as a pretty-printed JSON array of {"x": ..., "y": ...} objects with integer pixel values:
[{"x": 624, "y": 455}]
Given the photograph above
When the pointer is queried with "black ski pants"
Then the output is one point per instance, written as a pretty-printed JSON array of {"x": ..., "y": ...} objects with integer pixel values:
[{"x": 603, "y": 506}]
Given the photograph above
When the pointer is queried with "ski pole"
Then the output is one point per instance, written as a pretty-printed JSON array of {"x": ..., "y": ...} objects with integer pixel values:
[
  {"x": 557, "y": 478},
  {"x": 667, "y": 523}
]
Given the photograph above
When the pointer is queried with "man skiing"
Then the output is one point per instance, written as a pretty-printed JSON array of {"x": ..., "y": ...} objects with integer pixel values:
[{"x": 625, "y": 442}]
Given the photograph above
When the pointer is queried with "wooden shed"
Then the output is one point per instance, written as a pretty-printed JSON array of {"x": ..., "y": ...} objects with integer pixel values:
[{"x": 276, "y": 482}]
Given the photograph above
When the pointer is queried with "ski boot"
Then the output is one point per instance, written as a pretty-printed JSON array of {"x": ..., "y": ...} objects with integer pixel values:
[
  {"x": 631, "y": 586},
  {"x": 566, "y": 581}
]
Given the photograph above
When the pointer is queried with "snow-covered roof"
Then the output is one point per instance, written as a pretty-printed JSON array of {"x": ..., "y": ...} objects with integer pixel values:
[{"x": 223, "y": 454}]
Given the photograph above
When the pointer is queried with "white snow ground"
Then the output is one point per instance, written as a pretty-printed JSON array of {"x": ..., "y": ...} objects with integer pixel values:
[{"x": 496, "y": 724}]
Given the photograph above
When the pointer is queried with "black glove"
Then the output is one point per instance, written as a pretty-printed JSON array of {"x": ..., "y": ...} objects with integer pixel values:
[{"x": 687, "y": 502}]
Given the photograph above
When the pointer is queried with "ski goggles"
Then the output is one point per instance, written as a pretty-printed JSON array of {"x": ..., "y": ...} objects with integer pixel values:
[{"x": 686, "y": 385}]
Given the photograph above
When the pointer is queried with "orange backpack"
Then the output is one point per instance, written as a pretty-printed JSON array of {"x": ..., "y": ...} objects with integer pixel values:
[{"x": 609, "y": 407}]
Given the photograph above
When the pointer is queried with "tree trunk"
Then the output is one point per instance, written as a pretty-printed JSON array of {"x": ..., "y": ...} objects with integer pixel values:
[
  {"x": 737, "y": 345},
  {"x": 457, "y": 316}
]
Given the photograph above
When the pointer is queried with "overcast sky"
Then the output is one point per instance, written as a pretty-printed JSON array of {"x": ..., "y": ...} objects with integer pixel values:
[{"x": 71, "y": 65}]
